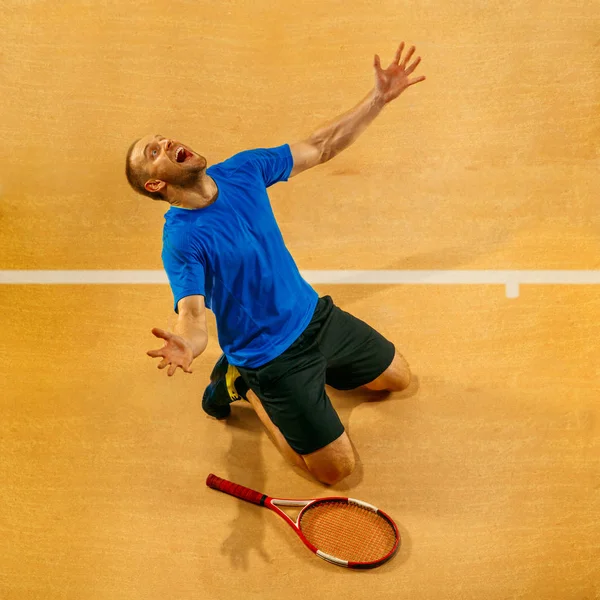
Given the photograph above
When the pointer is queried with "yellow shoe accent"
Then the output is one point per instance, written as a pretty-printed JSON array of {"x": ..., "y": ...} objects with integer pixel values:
[{"x": 230, "y": 377}]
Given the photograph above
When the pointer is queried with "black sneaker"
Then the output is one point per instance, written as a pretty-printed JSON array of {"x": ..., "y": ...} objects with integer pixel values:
[{"x": 225, "y": 381}]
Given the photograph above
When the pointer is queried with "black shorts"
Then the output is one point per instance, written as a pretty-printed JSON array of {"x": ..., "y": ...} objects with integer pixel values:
[{"x": 336, "y": 349}]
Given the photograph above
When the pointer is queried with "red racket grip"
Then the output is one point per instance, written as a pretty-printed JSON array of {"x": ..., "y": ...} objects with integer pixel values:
[{"x": 234, "y": 489}]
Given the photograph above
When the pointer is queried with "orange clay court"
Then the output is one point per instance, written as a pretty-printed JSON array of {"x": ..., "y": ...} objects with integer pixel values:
[{"x": 461, "y": 224}]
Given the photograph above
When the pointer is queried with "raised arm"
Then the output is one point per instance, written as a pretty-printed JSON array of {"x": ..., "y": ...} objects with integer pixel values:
[{"x": 329, "y": 140}]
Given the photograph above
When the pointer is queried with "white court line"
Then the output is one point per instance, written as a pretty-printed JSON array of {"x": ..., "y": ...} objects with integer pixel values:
[{"x": 510, "y": 279}]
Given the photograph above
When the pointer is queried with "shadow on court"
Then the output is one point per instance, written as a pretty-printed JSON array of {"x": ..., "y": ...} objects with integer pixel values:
[
  {"x": 345, "y": 402},
  {"x": 247, "y": 529}
]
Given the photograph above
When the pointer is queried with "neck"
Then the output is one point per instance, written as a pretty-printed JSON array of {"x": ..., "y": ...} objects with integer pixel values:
[{"x": 203, "y": 194}]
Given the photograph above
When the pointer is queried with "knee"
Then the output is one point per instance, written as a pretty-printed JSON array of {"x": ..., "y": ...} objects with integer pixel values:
[
  {"x": 334, "y": 472},
  {"x": 400, "y": 381},
  {"x": 393, "y": 380},
  {"x": 397, "y": 377},
  {"x": 332, "y": 463}
]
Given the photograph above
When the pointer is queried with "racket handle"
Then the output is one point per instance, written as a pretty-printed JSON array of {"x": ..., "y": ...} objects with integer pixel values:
[{"x": 234, "y": 489}]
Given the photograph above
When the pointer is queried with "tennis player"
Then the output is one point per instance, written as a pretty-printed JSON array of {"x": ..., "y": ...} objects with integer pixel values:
[{"x": 223, "y": 250}]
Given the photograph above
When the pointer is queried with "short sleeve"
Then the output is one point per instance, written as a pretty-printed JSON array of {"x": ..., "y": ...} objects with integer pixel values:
[
  {"x": 185, "y": 268},
  {"x": 274, "y": 164}
]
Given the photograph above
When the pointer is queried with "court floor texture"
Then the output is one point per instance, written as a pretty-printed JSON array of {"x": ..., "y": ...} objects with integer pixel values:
[{"x": 463, "y": 224}]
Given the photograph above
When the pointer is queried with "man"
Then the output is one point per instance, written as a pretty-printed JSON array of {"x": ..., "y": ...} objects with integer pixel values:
[{"x": 222, "y": 250}]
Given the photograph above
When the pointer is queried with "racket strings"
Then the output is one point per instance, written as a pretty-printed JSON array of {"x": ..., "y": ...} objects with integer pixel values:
[{"x": 348, "y": 531}]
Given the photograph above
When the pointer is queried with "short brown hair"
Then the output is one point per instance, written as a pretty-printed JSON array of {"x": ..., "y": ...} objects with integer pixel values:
[{"x": 137, "y": 176}]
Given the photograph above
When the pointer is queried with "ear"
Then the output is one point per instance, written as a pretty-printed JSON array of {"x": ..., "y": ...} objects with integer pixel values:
[{"x": 154, "y": 185}]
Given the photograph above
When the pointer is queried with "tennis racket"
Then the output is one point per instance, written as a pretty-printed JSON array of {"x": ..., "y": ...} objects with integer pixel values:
[{"x": 344, "y": 531}]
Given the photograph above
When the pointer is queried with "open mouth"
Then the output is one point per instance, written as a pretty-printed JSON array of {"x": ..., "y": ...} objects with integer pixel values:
[{"x": 181, "y": 154}]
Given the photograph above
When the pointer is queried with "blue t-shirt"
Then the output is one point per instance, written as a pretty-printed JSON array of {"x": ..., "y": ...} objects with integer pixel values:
[{"x": 232, "y": 253}]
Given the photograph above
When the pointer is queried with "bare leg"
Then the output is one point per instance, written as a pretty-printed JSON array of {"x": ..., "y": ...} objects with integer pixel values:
[
  {"x": 328, "y": 465},
  {"x": 275, "y": 435},
  {"x": 395, "y": 378}
]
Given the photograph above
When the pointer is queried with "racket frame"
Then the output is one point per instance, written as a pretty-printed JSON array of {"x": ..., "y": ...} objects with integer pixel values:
[{"x": 273, "y": 504}]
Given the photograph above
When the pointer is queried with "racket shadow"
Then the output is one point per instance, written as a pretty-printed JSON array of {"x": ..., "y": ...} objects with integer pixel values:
[
  {"x": 247, "y": 531},
  {"x": 246, "y": 538}
]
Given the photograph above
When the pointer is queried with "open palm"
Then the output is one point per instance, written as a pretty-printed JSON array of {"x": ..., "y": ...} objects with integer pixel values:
[
  {"x": 175, "y": 353},
  {"x": 391, "y": 82}
]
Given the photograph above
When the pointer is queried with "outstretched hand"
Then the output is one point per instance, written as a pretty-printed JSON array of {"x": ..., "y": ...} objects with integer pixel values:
[
  {"x": 176, "y": 352},
  {"x": 391, "y": 82}
]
